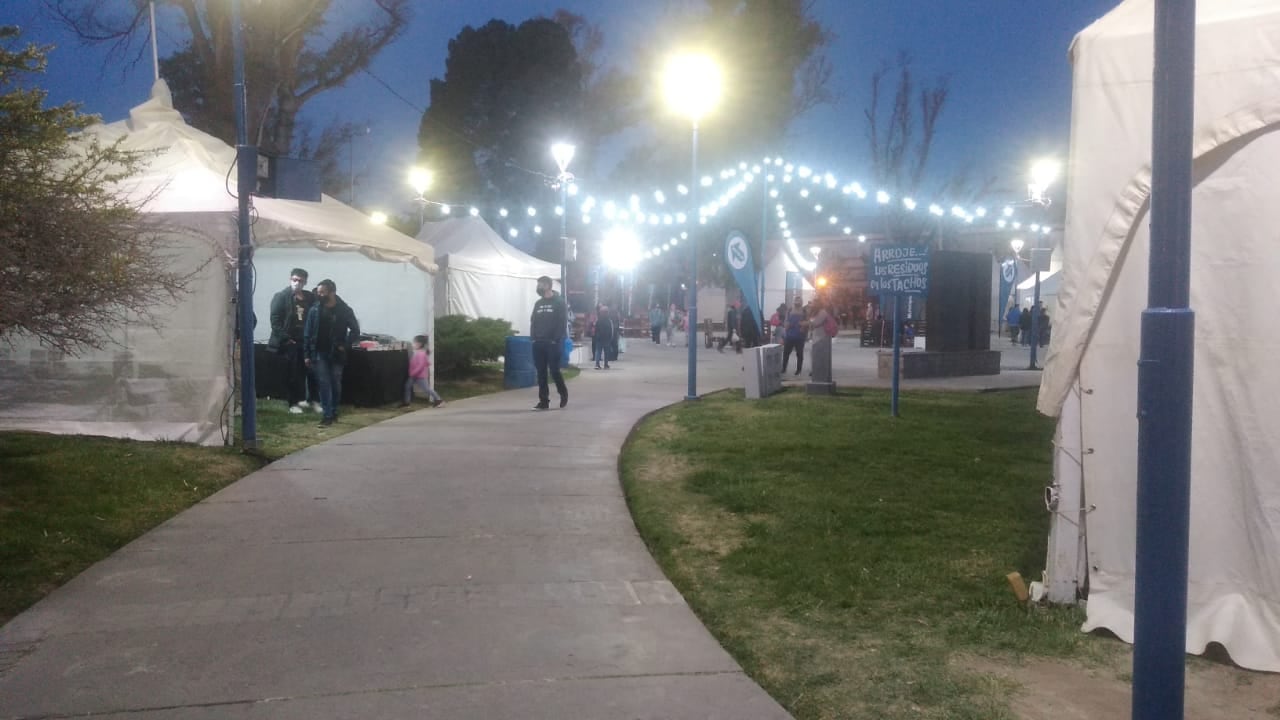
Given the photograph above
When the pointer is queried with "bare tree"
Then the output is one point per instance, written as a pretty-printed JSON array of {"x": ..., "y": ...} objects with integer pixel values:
[
  {"x": 77, "y": 257},
  {"x": 289, "y": 56}
]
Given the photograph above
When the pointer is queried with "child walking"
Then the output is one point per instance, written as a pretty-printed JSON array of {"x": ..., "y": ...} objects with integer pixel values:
[{"x": 419, "y": 363}]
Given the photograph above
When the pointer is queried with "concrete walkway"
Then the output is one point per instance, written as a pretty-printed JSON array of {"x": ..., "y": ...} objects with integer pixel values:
[{"x": 476, "y": 561}]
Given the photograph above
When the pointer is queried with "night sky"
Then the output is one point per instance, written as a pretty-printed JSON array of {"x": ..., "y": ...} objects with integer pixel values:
[{"x": 1010, "y": 79}]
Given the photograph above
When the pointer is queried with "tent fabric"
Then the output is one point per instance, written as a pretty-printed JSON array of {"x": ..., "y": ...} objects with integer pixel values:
[
  {"x": 176, "y": 383},
  {"x": 482, "y": 275},
  {"x": 1234, "y": 581}
]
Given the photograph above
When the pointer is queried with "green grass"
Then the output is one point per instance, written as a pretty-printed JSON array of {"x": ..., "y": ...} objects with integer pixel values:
[
  {"x": 67, "y": 502},
  {"x": 853, "y": 562}
]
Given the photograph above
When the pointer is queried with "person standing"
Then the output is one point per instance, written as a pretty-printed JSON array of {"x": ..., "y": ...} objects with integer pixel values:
[
  {"x": 730, "y": 325},
  {"x": 656, "y": 318},
  {"x": 602, "y": 341},
  {"x": 1024, "y": 325},
  {"x": 673, "y": 321},
  {"x": 547, "y": 330},
  {"x": 793, "y": 336},
  {"x": 1013, "y": 319},
  {"x": 288, "y": 314},
  {"x": 419, "y": 369},
  {"x": 331, "y": 329}
]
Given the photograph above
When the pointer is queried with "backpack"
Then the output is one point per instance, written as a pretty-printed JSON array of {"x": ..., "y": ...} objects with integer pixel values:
[{"x": 830, "y": 327}]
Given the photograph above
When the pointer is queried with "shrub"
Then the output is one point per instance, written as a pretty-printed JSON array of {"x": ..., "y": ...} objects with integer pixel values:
[{"x": 462, "y": 342}]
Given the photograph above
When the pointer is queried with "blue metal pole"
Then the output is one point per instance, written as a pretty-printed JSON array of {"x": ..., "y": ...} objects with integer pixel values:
[
  {"x": 1165, "y": 379},
  {"x": 693, "y": 274},
  {"x": 564, "y": 243},
  {"x": 246, "y": 180},
  {"x": 897, "y": 355},
  {"x": 761, "y": 260}
]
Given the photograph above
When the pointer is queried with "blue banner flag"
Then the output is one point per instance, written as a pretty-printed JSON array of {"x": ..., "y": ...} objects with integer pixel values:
[
  {"x": 737, "y": 255},
  {"x": 1008, "y": 271}
]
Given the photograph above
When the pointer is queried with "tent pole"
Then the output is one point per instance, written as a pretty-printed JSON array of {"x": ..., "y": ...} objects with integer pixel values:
[
  {"x": 246, "y": 178},
  {"x": 1165, "y": 381}
]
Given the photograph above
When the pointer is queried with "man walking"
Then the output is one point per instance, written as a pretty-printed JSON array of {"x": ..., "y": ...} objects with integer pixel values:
[
  {"x": 547, "y": 330},
  {"x": 730, "y": 325},
  {"x": 288, "y": 314},
  {"x": 331, "y": 329},
  {"x": 603, "y": 339}
]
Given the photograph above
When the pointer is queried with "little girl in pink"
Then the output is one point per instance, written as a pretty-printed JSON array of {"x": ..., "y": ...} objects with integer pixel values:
[{"x": 419, "y": 364}]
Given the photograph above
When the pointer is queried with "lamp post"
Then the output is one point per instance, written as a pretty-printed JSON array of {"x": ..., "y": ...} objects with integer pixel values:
[
  {"x": 246, "y": 178},
  {"x": 1043, "y": 174},
  {"x": 562, "y": 153},
  {"x": 420, "y": 180},
  {"x": 692, "y": 86}
]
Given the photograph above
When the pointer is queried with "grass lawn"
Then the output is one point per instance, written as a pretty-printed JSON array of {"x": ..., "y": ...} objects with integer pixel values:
[
  {"x": 67, "y": 502},
  {"x": 853, "y": 563}
]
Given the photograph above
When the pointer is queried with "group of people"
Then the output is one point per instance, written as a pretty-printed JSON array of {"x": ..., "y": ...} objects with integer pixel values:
[
  {"x": 314, "y": 330},
  {"x": 1019, "y": 323},
  {"x": 666, "y": 324}
]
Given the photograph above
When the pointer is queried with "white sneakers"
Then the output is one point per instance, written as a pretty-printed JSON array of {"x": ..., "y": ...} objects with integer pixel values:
[{"x": 295, "y": 409}]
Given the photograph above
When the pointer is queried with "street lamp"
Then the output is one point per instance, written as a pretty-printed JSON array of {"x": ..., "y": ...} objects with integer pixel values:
[
  {"x": 420, "y": 180},
  {"x": 1043, "y": 174},
  {"x": 562, "y": 153},
  {"x": 692, "y": 86},
  {"x": 246, "y": 179}
]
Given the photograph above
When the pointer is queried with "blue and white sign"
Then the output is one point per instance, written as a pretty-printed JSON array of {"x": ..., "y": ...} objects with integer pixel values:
[
  {"x": 737, "y": 255},
  {"x": 900, "y": 270}
]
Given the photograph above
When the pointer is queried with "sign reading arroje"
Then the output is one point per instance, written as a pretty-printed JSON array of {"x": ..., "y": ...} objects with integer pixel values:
[{"x": 900, "y": 270}]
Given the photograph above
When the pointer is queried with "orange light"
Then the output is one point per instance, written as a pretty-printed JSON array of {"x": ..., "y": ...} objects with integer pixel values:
[{"x": 822, "y": 281}]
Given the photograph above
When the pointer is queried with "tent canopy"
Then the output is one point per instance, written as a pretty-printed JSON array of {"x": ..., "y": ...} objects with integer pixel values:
[
  {"x": 189, "y": 171},
  {"x": 1091, "y": 371},
  {"x": 484, "y": 276}
]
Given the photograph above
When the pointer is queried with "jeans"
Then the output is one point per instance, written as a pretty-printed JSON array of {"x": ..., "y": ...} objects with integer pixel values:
[
  {"x": 787, "y": 347},
  {"x": 598, "y": 348},
  {"x": 657, "y": 333},
  {"x": 295, "y": 374},
  {"x": 546, "y": 357},
  {"x": 421, "y": 385},
  {"x": 328, "y": 370}
]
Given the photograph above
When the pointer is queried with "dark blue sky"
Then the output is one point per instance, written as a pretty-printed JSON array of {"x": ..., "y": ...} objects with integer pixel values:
[{"x": 1007, "y": 59}]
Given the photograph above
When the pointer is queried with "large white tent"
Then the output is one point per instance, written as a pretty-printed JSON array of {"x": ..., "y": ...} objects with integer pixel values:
[
  {"x": 1090, "y": 379},
  {"x": 481, "y": 275},
  {"x": 176, "y": 381}
]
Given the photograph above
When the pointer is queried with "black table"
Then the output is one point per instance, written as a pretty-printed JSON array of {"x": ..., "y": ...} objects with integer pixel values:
[{"x": 372, "y": 378}]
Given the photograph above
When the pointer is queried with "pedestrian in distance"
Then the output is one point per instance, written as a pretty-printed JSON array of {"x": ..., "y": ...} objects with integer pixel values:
[
  {"x": 419, "y": 369},
  {"x": 656, "y": 319},
  {"x": 673, "y": 322},
  {"x": 330, "y": 331},
  {"x": 547, "y": 329},
  {"x": 603, "y": 339},
  {"x": 1024, "y": 325},
  {"x": 1012, "y": 319},
  {"x": 794, "y": 333}
]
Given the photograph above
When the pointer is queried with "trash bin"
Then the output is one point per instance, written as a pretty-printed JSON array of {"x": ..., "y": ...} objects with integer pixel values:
[{"x": 518, "y": 370}]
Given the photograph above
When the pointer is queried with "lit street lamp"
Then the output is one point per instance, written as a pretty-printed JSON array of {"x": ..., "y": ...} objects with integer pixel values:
[
  {"x": 420, "y": 180},
  {"x": 562, "y": 153},
  {"x": 1043, "y": 174},
  {"x": 692, "y": 85}
]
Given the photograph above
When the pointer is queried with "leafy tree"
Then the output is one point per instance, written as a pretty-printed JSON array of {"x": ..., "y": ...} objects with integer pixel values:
[
  {"x": 289, "y": 57},
  {"x": 509, "y": 92},
  {"x": 77, "y": 258}
]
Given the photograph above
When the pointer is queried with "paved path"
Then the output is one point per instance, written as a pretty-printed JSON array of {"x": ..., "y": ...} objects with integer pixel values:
[{"x": 476, "y": 561}]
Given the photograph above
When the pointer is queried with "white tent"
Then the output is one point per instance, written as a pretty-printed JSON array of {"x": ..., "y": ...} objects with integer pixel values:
[
  {"x": 176, "y": 382},
  {"x": 481, "y": 274},
  {"x": 1090, "y": 379}
]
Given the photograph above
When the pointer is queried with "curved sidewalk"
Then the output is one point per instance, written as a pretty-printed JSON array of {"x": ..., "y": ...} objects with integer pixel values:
[{"x": 477, "y": 561}]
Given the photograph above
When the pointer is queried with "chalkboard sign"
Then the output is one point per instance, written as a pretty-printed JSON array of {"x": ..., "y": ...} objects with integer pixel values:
[{"x": 899, "y": 270}]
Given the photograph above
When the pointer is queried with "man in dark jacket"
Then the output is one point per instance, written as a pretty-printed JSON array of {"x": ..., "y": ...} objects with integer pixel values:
[
  {"x": 288, "y": 314},
  {"x": 603, "y": 337},
  {"x": 331, "y": 329},
  {"x": 547, "y": 330}
]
